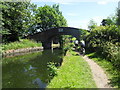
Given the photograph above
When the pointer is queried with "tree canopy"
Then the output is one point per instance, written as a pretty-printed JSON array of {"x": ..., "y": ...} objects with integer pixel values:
[
  {"x": 16, "y": 17},
  {"x": 118, "y": 16},
  {"x": 20, "y": 19},
  {"x": 92, "y": 24},
  {"x": 47, "y": 17}
]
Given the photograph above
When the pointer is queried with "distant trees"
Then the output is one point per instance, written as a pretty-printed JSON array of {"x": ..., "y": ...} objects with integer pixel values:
[
  {"x": 92, "y": 24},
  {"x": 111, "y": 20},
  {"x": 118, "y": 19}
]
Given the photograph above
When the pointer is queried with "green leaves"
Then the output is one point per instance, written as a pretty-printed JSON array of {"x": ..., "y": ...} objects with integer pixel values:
[
  {"x": 48, "y": 17},
  {"x": 105, "y": 41},
  {"x": 19, "y": 19},
  {"x": 118, "y": 17},
  {"x": 16, "y": 18},
  {"x": 92, "y": 24}
]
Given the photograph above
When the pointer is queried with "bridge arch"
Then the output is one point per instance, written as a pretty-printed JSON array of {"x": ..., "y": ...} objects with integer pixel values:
[{"x": 45, "y": 36}]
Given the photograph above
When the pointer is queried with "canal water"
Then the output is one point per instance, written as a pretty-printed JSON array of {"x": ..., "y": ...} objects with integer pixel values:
[{"x": 34, "y": 70}]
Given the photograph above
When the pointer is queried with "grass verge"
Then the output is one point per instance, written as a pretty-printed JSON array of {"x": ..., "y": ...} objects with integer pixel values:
[
  {"x": 74, "y": 73},
  {"x": 23, "y": 43},
  {"x": 109, "y": 69}
]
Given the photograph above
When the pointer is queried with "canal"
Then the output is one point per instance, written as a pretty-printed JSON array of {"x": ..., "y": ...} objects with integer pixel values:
[{"x": 33, "y": 70}]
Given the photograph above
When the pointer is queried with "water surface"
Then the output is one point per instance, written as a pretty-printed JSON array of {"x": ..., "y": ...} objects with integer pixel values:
[{"x": 30, "y": 70}]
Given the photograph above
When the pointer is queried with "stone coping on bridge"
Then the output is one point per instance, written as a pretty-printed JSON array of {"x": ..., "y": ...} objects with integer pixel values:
[{"x": 14, "y": 52}]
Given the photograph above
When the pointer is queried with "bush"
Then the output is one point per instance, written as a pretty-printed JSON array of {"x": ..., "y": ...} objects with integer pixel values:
[
  {"x": 105, "y": 41},
  {"x": 111, "y": 53},
  {"x": 52, "y": 69},
  {"x": 103, "y": 33},
  {"x": 67, "y": 43}
]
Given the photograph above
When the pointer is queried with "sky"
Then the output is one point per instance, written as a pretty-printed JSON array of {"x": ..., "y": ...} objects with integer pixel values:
[{"x": 78, "y": 13}]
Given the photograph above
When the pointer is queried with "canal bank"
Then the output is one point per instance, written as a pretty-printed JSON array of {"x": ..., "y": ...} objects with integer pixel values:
[
  {"x": 21, "y": 46},
  {"x": 21, "y": 51}
]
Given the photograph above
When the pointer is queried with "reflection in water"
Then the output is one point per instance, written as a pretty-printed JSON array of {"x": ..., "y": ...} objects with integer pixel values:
[
  {"x": 30, "y": 70},
  {"x": 39, "y": 83}
]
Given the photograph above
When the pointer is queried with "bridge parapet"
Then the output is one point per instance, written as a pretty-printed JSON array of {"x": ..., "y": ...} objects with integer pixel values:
[{"x": 46, "y": 36}]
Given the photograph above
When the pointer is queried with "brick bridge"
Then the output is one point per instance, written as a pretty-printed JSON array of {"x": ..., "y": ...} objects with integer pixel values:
[{"x": 46, "y": 37}]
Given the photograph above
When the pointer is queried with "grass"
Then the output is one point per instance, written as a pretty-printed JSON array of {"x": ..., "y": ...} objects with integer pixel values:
[
  {"x": 74, "y": 73},
  {"x": 109, "y": 69},
  {"x": 23, "y": 43}
]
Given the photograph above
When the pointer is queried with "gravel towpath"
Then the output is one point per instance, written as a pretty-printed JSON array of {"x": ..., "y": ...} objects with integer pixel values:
[{"x": 99, "y": 76}]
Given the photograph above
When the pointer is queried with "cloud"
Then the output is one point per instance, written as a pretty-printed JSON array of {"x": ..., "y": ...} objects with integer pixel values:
[
  {"x": 65, "y": 3},
  {"x": 69, "y": 2},
  {"x": 102, "y": 2},
  {"x": 79, "y": 23},
  {"x": 84, "y": 24},
  {"x": 72, "y": 14}
]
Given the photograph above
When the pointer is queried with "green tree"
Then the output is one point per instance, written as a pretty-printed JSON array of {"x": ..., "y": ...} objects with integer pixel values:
[
  {"x": 29, "y": 19},
  {"x": 16, "y": 17},
  {"x": 118, "y": 16},
  {"x": 92, "y": 24},
  {"x": 48, "y": 17},
  {"x": 111, "y": 20}
]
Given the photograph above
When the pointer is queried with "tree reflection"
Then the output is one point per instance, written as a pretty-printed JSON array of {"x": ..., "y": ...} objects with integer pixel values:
[{"x": 30, "y": 70}]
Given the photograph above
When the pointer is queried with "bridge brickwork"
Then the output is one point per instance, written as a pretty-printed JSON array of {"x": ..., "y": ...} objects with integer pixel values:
[{"x": 47, "y": 36}]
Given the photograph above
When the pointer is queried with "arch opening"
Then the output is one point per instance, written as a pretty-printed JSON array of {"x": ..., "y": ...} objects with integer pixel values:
[{"x": 46, "y": 36}]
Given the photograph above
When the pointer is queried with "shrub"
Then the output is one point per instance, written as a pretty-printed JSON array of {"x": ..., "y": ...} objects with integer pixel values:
[
  {"x": 103, "y": 33},
  {"x": 111, "y": 53},
  {"x": 52, "y": 69},
  {"x": 67, "y": 43},
  {"x": 105, "y": 41}
]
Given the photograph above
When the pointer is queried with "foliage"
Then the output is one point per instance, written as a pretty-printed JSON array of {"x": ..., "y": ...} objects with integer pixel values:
[
  {"x": 105, "y": 41},
  {"x": 67, "y": 43},
  {"x": 112, "y": 53},
  {"x": 48, "y": 17},
  {"x": 111, "y": 20},
  {"x": 16, "y": 17},
  {"x": 103, "y": 34},
  {"x": 74, "y": 73},
  {"x": 84, "y": 34},
  {"x": 23, "y": 43},
  {"x": 118, "y": 16},
  {"x": 92, "y": 24},
  {"x": 52, "y": 69},
  {"x": 20, "y": 18}
]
